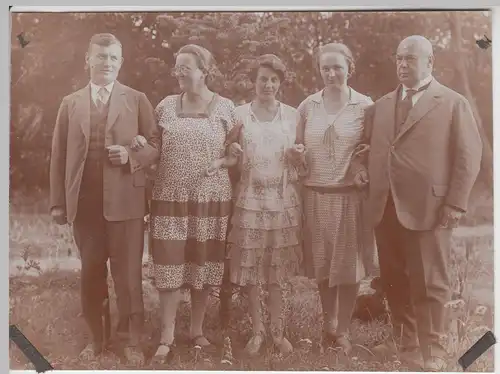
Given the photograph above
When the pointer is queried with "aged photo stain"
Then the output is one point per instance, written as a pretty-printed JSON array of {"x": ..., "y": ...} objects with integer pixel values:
[
  {"x": 22, "y": 41},
  {"x": 484, "y": 43}
]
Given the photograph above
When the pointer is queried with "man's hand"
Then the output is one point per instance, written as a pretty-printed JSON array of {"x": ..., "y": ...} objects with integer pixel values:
[
  {"x": 361, "y": 179},
  {"x": 151, "y": 171},
  {"x": 59, "y": 216},
  {"x": 138, "y": 142},
  {"x": 117, "y": 154},
  {"x": 449, "y": 217}
]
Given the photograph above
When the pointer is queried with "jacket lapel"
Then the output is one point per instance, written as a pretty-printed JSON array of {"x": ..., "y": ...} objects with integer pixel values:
[
  {"x": 428, "y": 101},
  {"x": 388, "y": 112},
  {"x": 116, "y": 103},
  {"x": 82, "y": 111}
]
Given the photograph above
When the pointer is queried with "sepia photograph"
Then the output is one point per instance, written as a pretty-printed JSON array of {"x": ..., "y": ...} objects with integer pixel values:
[{"x": 251, "y": 190}]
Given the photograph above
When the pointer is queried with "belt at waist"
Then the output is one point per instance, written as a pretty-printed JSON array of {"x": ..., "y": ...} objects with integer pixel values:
[{"x": 333, "y": 189}]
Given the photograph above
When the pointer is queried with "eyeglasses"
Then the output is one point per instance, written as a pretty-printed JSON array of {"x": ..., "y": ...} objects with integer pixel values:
[{"x": 181, "y": 70}]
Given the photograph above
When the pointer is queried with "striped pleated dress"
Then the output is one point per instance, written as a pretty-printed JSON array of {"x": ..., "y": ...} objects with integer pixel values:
[{"x": 338, "y": 245}]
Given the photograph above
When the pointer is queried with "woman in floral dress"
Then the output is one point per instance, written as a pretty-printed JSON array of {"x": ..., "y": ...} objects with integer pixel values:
[
  {"x": 264, "y": 240},
  {"x": 191, "y": 197}
]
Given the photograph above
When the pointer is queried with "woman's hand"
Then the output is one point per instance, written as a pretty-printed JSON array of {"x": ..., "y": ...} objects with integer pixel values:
[
  {"x": 296, "y": 154},
  {"x": 361, "y": 179},
  {"x": 214, "y": 167},
  {"x": 235, "y": 149},
  {"x": 361, "y": 149},
  {"x": 299, "y": 148},
  {"x": 138, "y": 142},
  {"x": 296, "y": 151}
]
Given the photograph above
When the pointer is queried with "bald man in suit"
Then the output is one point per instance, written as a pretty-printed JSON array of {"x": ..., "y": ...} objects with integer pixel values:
[{"x": 424, "y": 158}]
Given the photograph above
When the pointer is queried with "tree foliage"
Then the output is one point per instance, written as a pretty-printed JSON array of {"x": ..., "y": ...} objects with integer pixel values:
[{"x": 52, "y": 64}]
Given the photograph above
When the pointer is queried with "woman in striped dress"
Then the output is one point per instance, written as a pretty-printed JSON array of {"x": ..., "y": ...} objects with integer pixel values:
[
  {"x": 338, "y": 247},
  {"x": 191, "y": 197},
  {"x": 264, "y": 242}
]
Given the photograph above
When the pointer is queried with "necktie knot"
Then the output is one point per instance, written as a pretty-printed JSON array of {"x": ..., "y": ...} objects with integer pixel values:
[
  {"x": 103, "y": 94},
  {"x": 410, "y": 93}
]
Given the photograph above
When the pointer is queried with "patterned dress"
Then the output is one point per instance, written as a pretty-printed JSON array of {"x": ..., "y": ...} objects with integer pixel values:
[
  {"x": 190, "y": 211},
  {"x": 338, "y": 245},
  {"x": 264, "y": 241}
]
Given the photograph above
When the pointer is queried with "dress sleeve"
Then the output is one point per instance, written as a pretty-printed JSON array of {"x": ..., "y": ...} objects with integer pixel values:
[
  {"x": 360, "y": 155},
  {"x": 364, "y": 144},
  {"x": 160, "y": 108},
  {"x": 152, "y": 169},
  {"x": 301, "y": 119},
  {"x": 233, "y": 126}
]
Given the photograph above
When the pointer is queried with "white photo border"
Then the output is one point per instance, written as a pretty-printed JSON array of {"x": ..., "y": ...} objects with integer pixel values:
[{"x": 257, "y": 5}]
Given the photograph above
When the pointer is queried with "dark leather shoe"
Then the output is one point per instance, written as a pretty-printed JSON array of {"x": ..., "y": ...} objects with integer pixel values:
[
  {"x": 412, "y": 359},
  {"x": 385, "y": 349}
]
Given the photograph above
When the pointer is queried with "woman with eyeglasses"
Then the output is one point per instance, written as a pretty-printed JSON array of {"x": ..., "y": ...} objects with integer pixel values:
[
  {"x": 338, "y": 247},
  {"x": 191, "y": 197},
  {"x": 264, "y": 242}
]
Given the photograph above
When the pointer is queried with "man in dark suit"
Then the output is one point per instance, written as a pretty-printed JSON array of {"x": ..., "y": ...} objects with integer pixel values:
[
  {"x": 423, "y": 160},
  {"x": 97, "y": 184}
]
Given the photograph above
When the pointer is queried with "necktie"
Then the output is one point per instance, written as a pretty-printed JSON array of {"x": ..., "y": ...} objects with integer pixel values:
[
  {"x": 407, "y": 103},
  {"x": 102, "y": 98}
]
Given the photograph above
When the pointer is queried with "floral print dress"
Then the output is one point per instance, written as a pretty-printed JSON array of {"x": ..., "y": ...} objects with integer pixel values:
[
  {"x": 189, "y": 210},
  {"x": 264, "y": 241}
]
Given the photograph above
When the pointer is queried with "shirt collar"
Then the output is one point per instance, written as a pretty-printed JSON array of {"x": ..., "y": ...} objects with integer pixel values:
[
  {"x": 95, "y": 88},
  {"x": 420, "y": 84},
  {"x": 355, "y": 97}
]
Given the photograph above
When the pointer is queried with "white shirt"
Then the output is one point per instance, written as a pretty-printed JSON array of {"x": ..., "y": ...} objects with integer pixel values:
[
  {"x": 418, "y": 95},
  {"x": 94, "y": 89}
]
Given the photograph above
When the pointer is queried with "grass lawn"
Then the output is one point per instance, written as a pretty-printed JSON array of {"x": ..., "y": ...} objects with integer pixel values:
[{"x": 45, "y": 305}]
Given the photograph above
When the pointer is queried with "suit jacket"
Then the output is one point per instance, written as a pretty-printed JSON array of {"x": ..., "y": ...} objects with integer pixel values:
[
  {"x": 130, "y": 114},
  {"x": 433, "y": 160}
]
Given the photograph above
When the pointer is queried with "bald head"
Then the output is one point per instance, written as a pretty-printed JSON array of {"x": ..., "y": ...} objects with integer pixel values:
[
  {"x": 418, "y": 44},
  {"x": 415, "y": 59}
]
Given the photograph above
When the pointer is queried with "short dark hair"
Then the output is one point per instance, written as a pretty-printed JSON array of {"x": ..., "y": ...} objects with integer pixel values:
[
  {"x": 104, "y": 39},
  {"x": 270, "y": 61},
  {"x": 335, "y": 48}
]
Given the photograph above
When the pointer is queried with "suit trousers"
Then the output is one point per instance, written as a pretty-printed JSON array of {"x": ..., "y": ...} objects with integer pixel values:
[
  {"x": 122, "y": 242},
  {"x": 415, "y": 277}
]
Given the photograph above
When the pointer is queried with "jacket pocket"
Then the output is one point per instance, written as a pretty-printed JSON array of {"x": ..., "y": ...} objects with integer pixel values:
[
  {"x": 139, "y": 178},
  {"x": 440, "y": 190}
]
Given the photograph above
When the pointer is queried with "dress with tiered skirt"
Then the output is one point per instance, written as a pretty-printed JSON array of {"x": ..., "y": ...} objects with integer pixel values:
[{"x": 264, "y": 242}]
